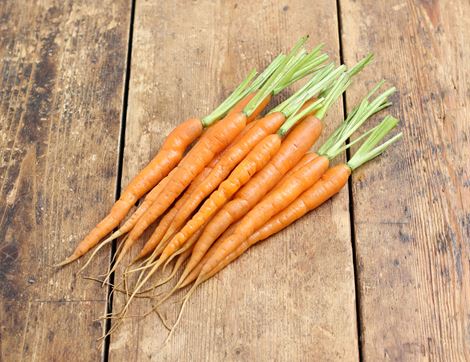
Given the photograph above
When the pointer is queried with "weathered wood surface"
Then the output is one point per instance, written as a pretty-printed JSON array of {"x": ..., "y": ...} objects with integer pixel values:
[
  {"x": 62, "y": 68},
  {"x": 291, "y": 298},
  {"x": 412, "y": 207}
]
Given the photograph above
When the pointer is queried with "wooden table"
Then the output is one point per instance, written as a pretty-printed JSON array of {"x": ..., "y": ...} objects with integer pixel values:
[{"x": 90, "y": 88}]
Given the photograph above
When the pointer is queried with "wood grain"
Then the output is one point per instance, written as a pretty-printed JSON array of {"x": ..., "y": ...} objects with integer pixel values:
[
  {"x": 291, "y": 298},
  {"x": 412, "y": 207},
  {"x": 62, "y": 66}
]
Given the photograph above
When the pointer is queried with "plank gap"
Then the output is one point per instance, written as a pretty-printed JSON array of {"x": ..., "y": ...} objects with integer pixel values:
[
  {"x": 351, "y": 201},
  {"x": 117, "y": 194}
]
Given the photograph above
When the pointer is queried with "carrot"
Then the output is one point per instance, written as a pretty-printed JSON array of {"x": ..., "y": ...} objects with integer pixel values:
[
  {"x": 300, "y": 180},
  {"x": 171, "y": 153},
  {"x": 263, "y": 127},
  {"x": 329, "y": 185}
]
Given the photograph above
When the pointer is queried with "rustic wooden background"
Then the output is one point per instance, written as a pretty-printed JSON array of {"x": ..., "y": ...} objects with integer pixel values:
[{"x": 88, "y": 89}]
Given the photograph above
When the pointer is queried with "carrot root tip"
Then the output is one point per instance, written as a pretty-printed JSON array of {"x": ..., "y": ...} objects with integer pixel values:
[{"x": 68, "y": 260}]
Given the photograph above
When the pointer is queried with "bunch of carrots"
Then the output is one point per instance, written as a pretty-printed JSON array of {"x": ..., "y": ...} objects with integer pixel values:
[{"x": 245, "y": 178}]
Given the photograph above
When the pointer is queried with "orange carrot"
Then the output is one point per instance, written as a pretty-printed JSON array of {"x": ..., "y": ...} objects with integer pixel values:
[{"x": 286, "y": 192}]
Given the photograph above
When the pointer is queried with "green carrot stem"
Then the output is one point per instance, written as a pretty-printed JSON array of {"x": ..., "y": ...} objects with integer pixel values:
[
  {"x": 292, "y": 59},
  {"x": 354, "y": 70},
  {"x": 360, "y": 65},
  {"x": 300, "y": 72},
  {"x": 243, "y": 90},
  {"x": 333, "y": 94},
  {"x": 316, "y": 78},
  {"x": 310, "y": 64},
  {"x": 263, "y": 77},
  {"x": 292, "y": 121},
  {"x": 231, "y": 100},
  {"x": 312, "y": 88},
  {"x": 335, "y": 143},
  {"x": 368, "y": 150},
  {"x": 358, "y": 139}
]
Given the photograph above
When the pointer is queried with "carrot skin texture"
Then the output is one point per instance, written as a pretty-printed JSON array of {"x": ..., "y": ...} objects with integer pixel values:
[
  {"x": 214, "y": 140},
  {"x": 146, "y": 203},
  {"x": 273, "y": 203},
  {"x": 251, "y": 164},
  {"x": 259, "y": 109},
  {"x": 308, "y": 157},
  {"x": 293, "y": 149},
  {"x": 242, "y": 104},
  {"x": 166, "y": 159},
  {"x": 332, "y": 181},
  {"x": 230, "y": 159},
  {"x": 329, "y": 185}
]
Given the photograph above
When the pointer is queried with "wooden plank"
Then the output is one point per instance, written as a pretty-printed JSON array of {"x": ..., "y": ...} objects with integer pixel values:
[
  {"x": 62, "y": 67},
  {"x": 412, "y": 207},
  {"x": 186, "y": 57}
]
